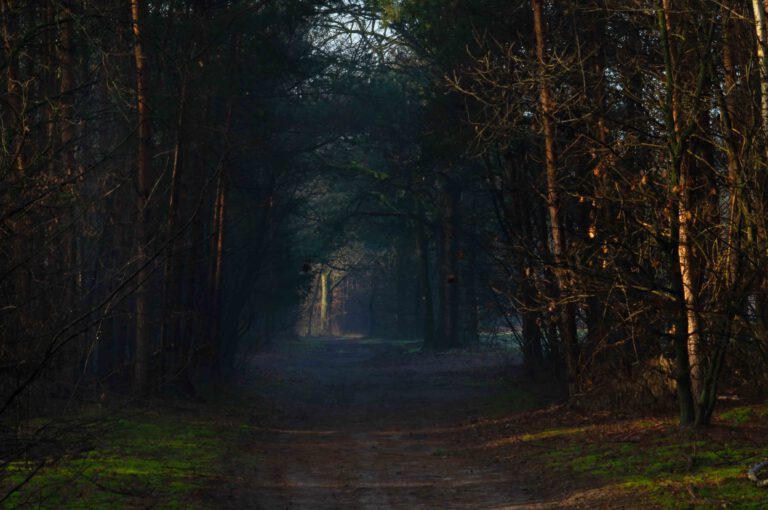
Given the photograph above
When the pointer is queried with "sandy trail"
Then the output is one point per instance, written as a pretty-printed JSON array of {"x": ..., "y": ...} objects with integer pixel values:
[{"x": 357, "y": 424}]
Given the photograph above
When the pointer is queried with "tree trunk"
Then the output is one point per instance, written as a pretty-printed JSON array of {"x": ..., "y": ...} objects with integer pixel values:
[
  {"x": 425, "y": 288},
  {"x": 217, "y": 270},
  {"x": 686, "y": 260},
  {"x": 468, "y": 300},
  {"x": 326, "y": 302},
  {"x": 15, "y": 136},
  {"x": 171, "y": 321},
  {"x": 144, "y": 160},
  {"x": 731, "y": 298},
  {"x": 14, "y": 96},
  {"x": 682, "y": 374},
  {"x": 311, "y": 310},
  {"x": 373, "y": 321},
  {"x": 761, "y": 31},
  {"x": 687, "y": 327},
  {"x": 73, "y": 243},
  {"x": 761, "y": 240},
  {"x": 533, "y": 353},
  {"x": 448, "y": 306},
  {"x": 567, "y": 312},
  {"x": 402, "y": 265}
]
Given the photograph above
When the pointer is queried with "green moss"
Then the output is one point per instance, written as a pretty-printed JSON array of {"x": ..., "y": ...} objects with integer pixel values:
[
  {"x": 162, "y": 459},
  {"x": 551, "y": 433},
  {"x": 744, "y": 415},
  {"x": 664, "y": 464}
]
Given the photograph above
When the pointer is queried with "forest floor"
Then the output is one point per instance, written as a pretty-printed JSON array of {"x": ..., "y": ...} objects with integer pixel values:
[{"x": 352, "y": 423}]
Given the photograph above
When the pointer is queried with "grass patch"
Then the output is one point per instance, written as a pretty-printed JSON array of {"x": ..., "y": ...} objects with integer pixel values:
[
  {"x": 675, "y": 469},
  {"x": 546, "y": 434},
  {"x": 160, "y": 460},
  {"x": 745, "y": 415}
]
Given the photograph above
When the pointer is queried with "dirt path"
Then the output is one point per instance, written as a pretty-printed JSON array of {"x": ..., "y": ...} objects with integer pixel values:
[{"x": 357, "y": 424}]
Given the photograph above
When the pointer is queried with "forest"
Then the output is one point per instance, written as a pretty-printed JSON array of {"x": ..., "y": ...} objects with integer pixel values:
[{"x": 383, "y": 254}]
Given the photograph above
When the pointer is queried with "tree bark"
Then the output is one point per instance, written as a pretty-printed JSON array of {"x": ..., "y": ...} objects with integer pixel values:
[
  {"x": 425, "y": 289},
  {"x": 403, "y": 263},
  {"x": 326, "y": 302},
  {"x": 761, "y": 31},
  {"x": 311, "y": 310},
  {"x": 761, "y": 241},
  {"x": 731, "y": 298},
  {"x": 468, "y": 299},
  {"x": 567, "y": 312},
  {"x": 170, "y": 334},
  {"x": 217, "y": 270},
  {"x": 144, "y": 161},
  {"x": 13, "y": 88},
  {"x": 687, "y": 328},
  {"x": 448, "y": 306}
]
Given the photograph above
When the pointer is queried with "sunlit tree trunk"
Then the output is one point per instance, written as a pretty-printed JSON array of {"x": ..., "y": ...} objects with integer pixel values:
[
  {"x": 680, "y": 329},
  {"x": 761, "y": 31},
  {"x": 680, "y": 167},
  {"x": 312, "y": 305},
  {"x": 567, "y": 312},
  {"x": 326, "y": 301},
  {"x": 689, "y": 287},
  {"x": 758, "y": 217}
]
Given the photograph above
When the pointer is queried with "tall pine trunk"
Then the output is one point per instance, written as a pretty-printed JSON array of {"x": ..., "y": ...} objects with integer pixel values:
[
  {"x": 144, "y": 161},
  {"x": 567, "y": 311},
  {"x": 425, "y": 289},
  {"x": 171, "y": 331}
]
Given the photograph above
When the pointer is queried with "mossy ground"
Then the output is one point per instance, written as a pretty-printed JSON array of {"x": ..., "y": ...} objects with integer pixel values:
[
  {"x": 652, "y": 461},
  {"x": 181, "y": 456},
  {"x": 163, "y": 458}
]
